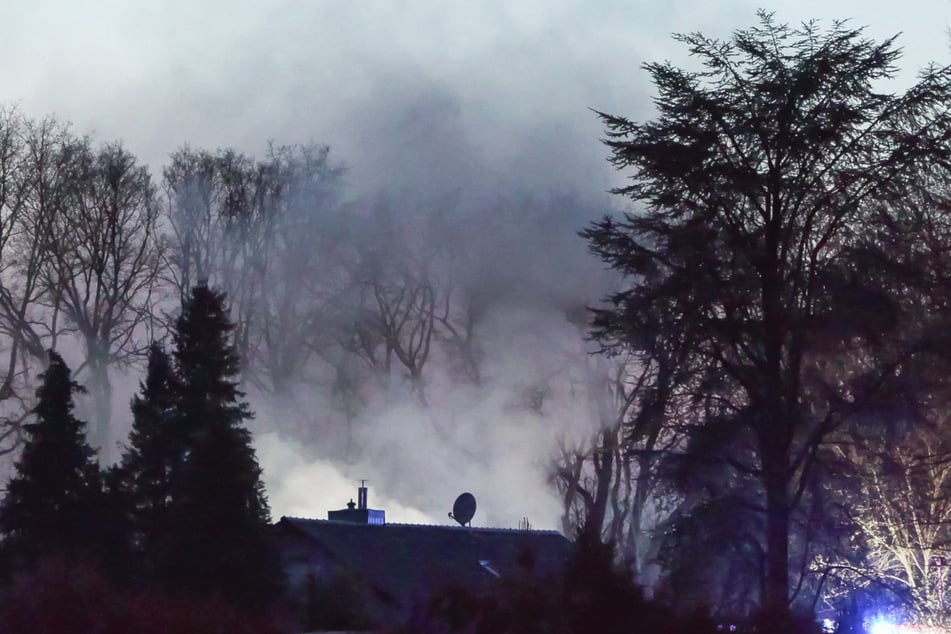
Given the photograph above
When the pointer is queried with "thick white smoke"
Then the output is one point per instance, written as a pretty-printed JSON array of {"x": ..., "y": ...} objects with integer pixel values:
[{"x": 490, "y": 98}]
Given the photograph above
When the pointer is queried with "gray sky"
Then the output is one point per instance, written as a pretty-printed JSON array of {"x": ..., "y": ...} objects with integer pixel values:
[
  {"x": 410, "y": 95},
  {"x": 503, "y": 86}
]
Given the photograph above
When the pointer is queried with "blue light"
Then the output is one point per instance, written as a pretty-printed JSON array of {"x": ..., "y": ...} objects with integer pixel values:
[{"x": 882, "y": 626}]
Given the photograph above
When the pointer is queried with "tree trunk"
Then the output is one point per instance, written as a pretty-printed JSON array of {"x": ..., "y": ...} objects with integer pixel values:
[
  {"x": 603, "y": 459},
  {"x": 101, "y": 391},
  {"x": 774, "y": 422},
  {"x": 776, "y": 584}
]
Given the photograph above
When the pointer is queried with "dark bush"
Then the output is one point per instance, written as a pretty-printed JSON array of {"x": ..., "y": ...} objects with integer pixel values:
[
  {"x": 592, "y": 594},
  {"x": 58, "y": 597}
]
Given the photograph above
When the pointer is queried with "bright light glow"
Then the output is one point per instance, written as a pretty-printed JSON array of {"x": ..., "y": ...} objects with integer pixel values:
[{"x": 881, "y": 626}]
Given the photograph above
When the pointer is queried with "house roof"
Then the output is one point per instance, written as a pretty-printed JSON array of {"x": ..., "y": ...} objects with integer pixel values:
[{"x": 402, "y": 561}]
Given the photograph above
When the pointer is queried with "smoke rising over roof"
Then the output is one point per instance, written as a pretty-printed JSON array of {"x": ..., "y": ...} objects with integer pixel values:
[{"x": 482, "y": 104}]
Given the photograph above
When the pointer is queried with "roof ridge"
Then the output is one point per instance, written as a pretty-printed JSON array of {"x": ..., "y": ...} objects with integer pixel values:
[{"x": 437, "y": 526}]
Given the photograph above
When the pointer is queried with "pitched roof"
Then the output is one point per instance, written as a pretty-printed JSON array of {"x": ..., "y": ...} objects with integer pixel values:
[{"x": 404, "y": 560}]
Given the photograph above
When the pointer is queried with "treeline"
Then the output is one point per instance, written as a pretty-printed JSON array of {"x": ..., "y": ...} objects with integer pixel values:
[
  {"x": 356, "y": 295},
  {"x": 461, "y": 306},
  {"x": 178, "y": 528}
]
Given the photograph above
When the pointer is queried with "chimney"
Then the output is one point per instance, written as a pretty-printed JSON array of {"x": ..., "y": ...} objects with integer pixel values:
[
  {"x": 359, "y": 513},
  {"x": 362, "y": 495}
]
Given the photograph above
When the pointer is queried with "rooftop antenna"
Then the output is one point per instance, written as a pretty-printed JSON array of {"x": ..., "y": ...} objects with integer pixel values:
[{"x": 463, "y": 509}]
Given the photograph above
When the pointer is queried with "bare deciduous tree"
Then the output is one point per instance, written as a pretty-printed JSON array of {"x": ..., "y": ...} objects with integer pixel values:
[
  {"x": 34, "y": 178},
  {"x": 896, "y": 496},
  {"x": 103, "y": 265},
  {"x": 264, "y": 232},
  {"x": 300, "y": 260},
  {"x": 398, "y": 301},
  {"x": 609, "y": 478}
]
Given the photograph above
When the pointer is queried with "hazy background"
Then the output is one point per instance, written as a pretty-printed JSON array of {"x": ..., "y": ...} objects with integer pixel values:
[{"x": 416, "y": 98}]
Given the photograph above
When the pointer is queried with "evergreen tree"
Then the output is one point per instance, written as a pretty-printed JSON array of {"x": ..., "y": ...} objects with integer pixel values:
[
  {"x": 154, "y": 457},
  {"x": 51, "y": 505},
  {"x": 765, "y": 256},
  {"x": 217, "y": 542},
  {"x": 112, "y": 545}
]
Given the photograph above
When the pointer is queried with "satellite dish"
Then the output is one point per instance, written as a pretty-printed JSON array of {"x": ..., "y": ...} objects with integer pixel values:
[{"x": 463, "y": 508}]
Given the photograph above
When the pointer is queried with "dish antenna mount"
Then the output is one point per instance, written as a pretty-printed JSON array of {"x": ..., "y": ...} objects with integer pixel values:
[{"x": 463, "y": 509}]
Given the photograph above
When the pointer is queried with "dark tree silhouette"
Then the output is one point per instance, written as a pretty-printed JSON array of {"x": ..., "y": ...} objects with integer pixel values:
[
  {"x": 593, "y": 592},
  {"x": 156, "y": 450},
  {"x": 217, "y": 542},
  {"x": 762, "y": 182},
  {"x": 52, "y": 500}
]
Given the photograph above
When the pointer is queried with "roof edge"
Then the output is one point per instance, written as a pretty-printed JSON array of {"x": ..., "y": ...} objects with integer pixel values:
[{"x": 451, "y": 527}]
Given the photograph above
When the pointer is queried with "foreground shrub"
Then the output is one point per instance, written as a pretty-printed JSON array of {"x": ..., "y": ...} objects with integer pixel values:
[
  {"x": 58, "y": 597},
  {"x": 591, "y": 594}
]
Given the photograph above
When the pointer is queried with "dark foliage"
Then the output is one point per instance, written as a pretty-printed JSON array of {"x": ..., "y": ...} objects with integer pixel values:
[
  {"x": 759, "y": 258},
  {"x": 592, "y": 594},
  {"x": 154, "y": 457},
  {"x": 115, "y": 551},
  {"x": 59, "y": 597},
  {"x": 333, "y": 605},
  {"x": 216, "y": 533},
  {"x": 54, "y": 499}
]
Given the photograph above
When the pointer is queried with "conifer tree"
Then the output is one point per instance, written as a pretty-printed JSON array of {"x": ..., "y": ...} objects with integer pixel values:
[
  {"x": 218, "y": 542},
  {"x": 50, "y": 508},
  {"x": 766, "y": 253},
  {"x": 155, "y": 453}
]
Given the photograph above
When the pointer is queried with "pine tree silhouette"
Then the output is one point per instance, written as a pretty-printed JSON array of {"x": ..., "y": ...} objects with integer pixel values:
[
  {"x": 218, "y": 535},
  {"x": 153, "y": 460},
  {"x": 52, "y": 502}
]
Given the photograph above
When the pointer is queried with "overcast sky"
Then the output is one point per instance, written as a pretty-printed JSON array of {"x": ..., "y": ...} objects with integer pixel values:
[
  {"x": 409, "y": 95},
  {"x": 507, "y": 83}
]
